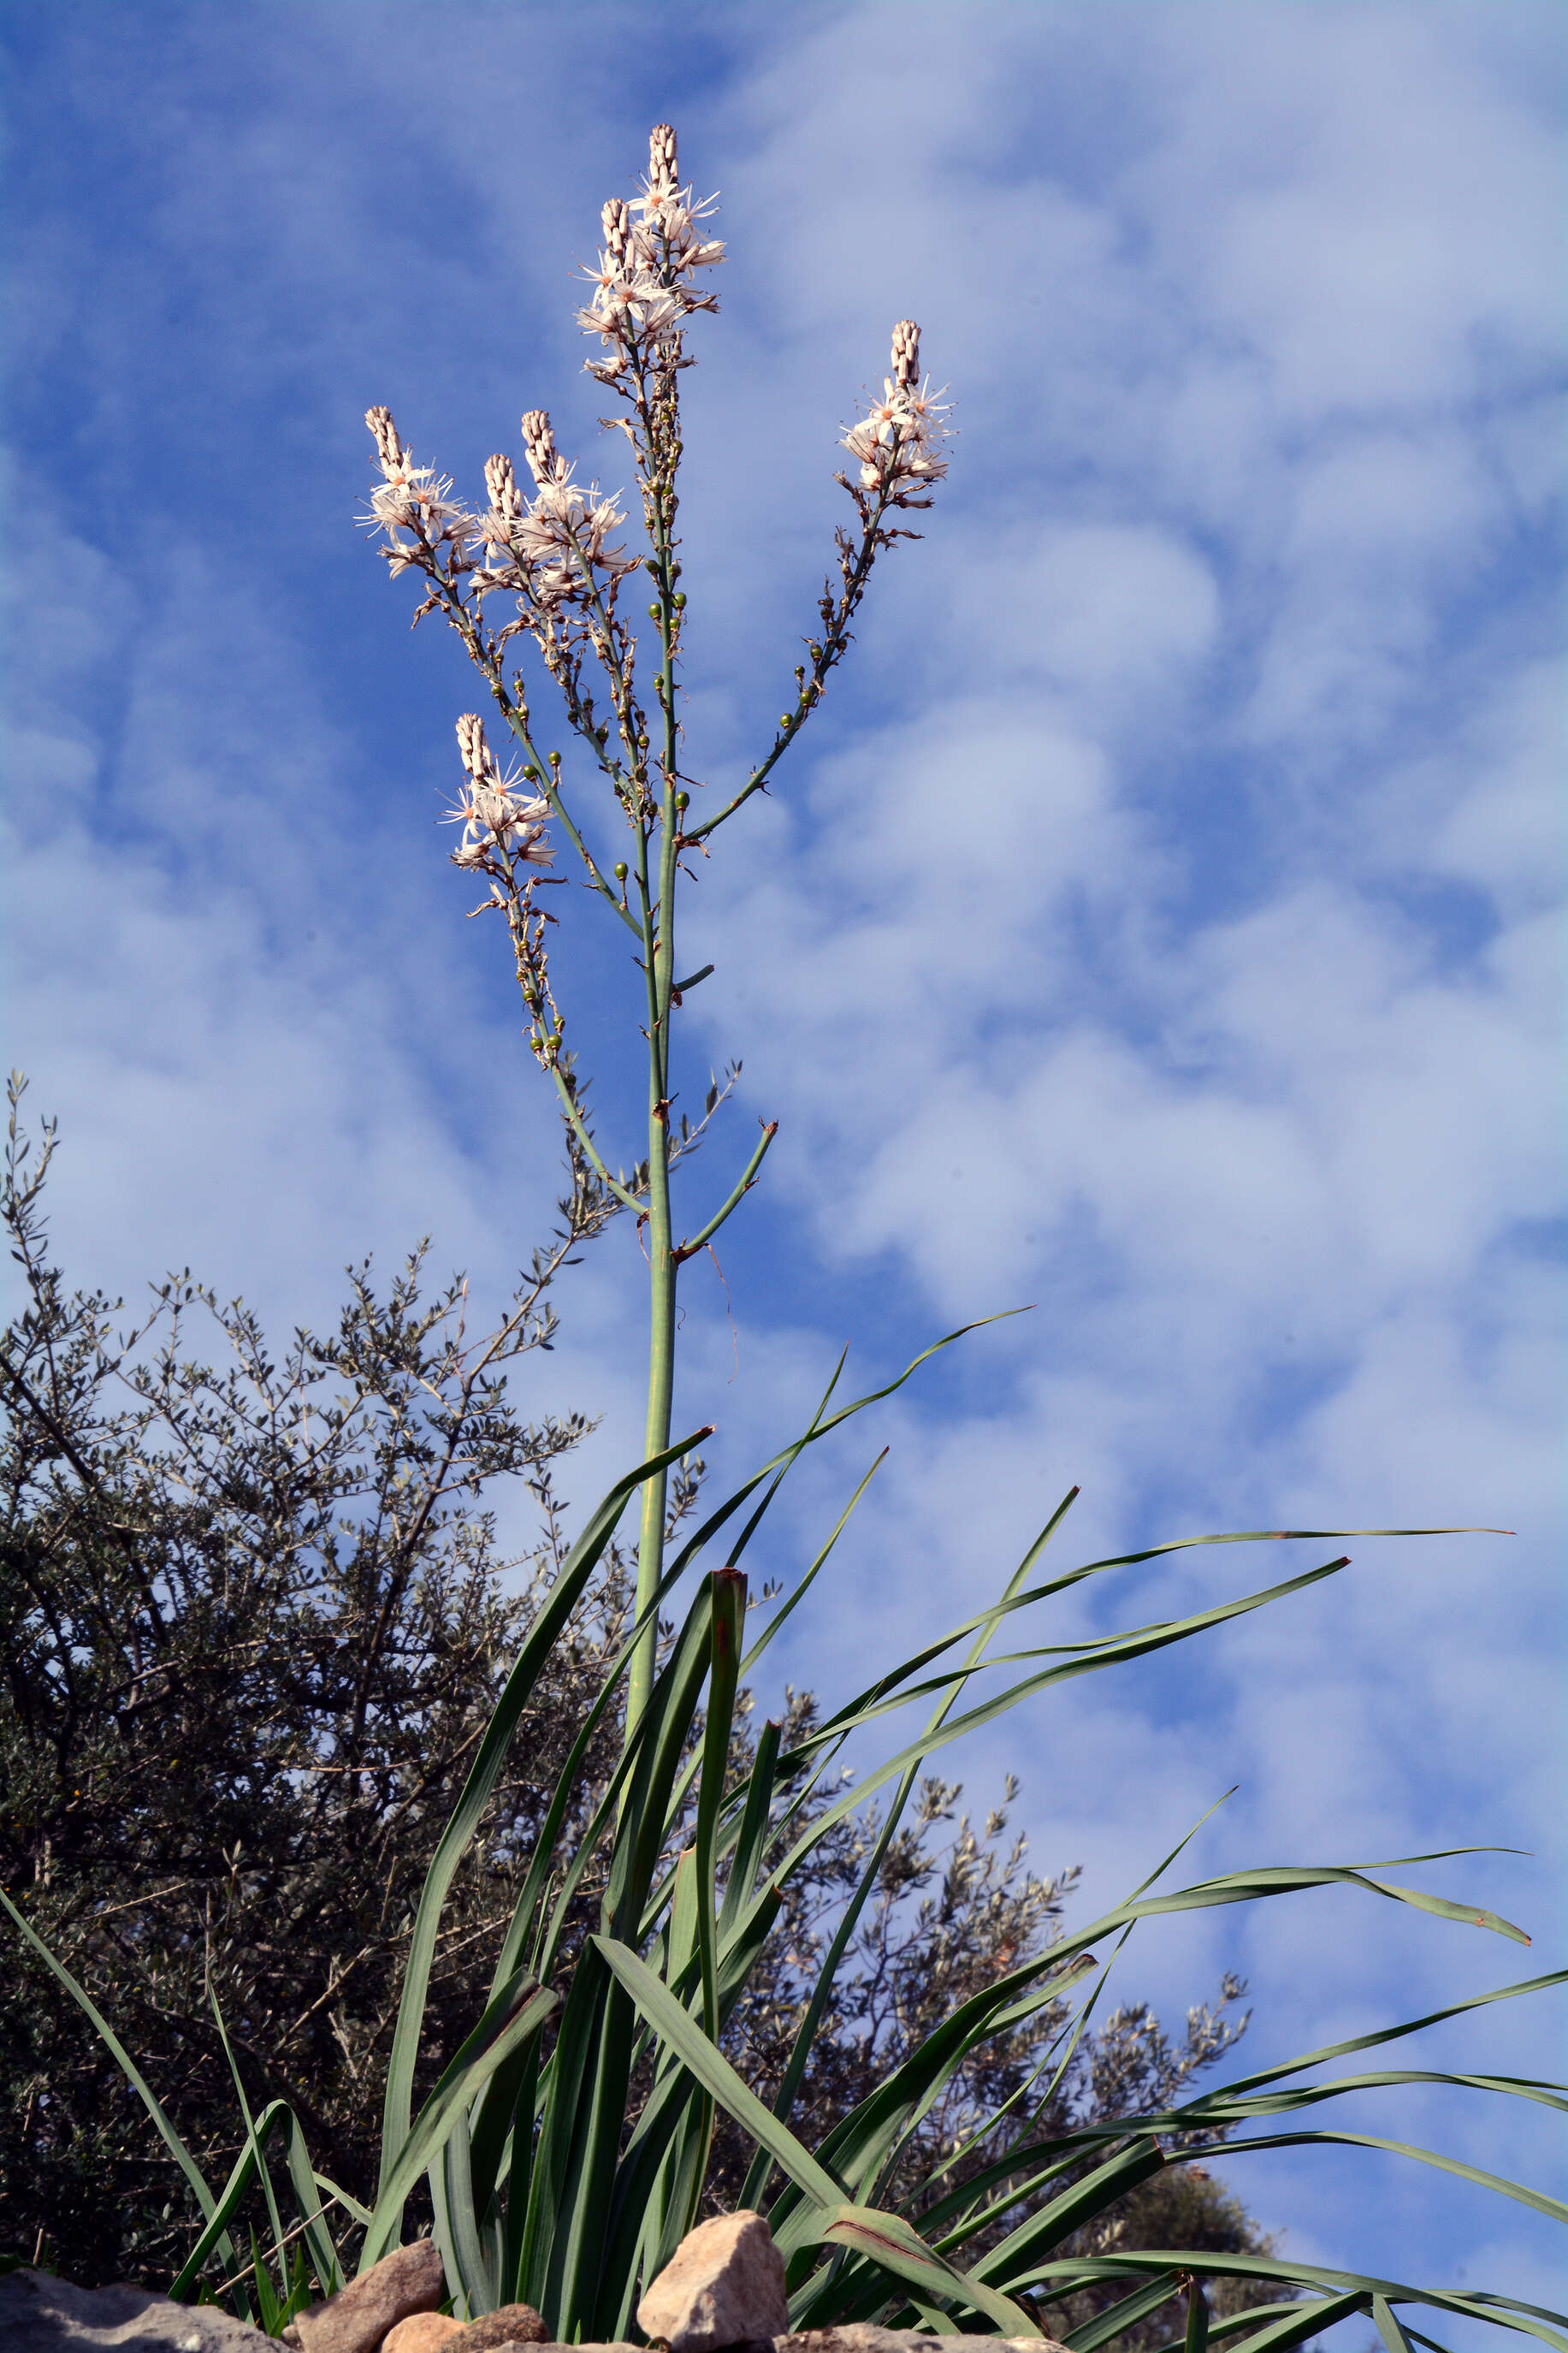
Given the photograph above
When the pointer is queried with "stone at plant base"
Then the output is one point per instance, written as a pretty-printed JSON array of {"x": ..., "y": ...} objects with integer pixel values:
[
  {"x": 513, "y": 2323},
  {"x": 355, "y": 2320},
  {"x": 39, "y": 2314},
  {"x": 422, "y": 2332},
  {"x": 864, "y": 2336},
  {"x": 726, "y": 2287}
]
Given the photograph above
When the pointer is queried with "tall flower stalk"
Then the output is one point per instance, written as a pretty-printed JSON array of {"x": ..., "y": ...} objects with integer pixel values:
[{"x": 552, "y": 564}]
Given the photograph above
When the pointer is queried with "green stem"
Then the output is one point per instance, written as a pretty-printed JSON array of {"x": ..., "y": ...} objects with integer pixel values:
[{"x": 658, "y": 942}]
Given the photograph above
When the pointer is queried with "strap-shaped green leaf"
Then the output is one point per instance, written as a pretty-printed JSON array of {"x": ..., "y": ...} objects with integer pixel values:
[
  {"x": 896, "y": 2246},
  {"x": 674, "y": 2025},
  {"x": 1011, "y": 2264},
  {"x": 471, "y": 2274},
  {"x": 518, "y": 2013},
  {"x": 1065, "y": 2276},
  {"x": 1113, "y": 1651},
  {"x": 541, "y": 1640},
  {"x": 1309, "y": 2319},
  {"x": 134, "y": 2077},
  {"x": 886, "y": 2239},
  {"x": 1113, "y": 2322},
  {"x": 214, "y": 2240}
]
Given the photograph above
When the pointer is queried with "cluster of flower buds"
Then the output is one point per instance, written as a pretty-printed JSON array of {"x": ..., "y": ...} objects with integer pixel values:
[
  {"x": 898, "y": 443},
  {"x": 503, "y": 826},
  {"x": 643, "y": 279},
  {"x": 559, "y": 543},
  {"x": 555, "y": 549},
  {"x": 412, "y": 498}
]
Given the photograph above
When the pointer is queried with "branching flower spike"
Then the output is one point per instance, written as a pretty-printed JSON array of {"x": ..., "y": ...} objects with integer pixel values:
[{"x": 553, "y": 557}]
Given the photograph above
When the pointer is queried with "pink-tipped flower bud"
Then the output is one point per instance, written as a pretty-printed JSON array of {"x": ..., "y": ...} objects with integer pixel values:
[
  {"x": 500, "y": 482},
  {"x": 906, "y": 353},
  {"x": 473, "y": 748},
  {"x": 389, "y": 448},
  {"x": 539, "y": 444},
  {"x": 663, "y": 169},
  {"x": 617, "y": 219}
]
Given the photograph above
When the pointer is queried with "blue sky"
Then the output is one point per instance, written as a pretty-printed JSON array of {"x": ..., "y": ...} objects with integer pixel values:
[{"x": 1160, "y": 922}]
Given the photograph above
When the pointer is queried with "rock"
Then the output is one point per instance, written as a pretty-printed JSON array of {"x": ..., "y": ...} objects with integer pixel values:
[
  {"x": 422, "y": 2332},
  {"x": 39, "y": 2313},
  {"x": 726, "y": 2287},
  {"x": 864, "y": 2336},
  {"x": 409, "y": 2280},
  {"x": 513, "y": 2323}
]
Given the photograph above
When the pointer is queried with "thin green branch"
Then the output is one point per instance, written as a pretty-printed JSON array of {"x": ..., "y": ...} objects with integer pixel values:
[
  {"x": 700, "y": 1241},
  {"x": 822, "y": 661},
  {"x": 590, "y": 1149},
  {"x": 552, "y": 786}
]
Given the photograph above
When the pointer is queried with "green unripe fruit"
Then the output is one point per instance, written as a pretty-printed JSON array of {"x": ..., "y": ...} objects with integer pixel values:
[
  {"x": 680, "y": 600},
  {"x": 683, "y": 800},
  {"x": 621, "y": 870},
  {"x": 653, "y": 612}
]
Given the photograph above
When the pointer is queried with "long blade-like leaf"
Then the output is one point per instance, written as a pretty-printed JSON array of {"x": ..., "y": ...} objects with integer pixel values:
[
  {"x": 886, "y": 2238},
  {"x": 1116, "y": 1649},
  {"x": 517, "y": 2012},
  {"x": 676, "y": 2026},
  {"x": 1326, "y": 2135},
  {"x": 1062, "y": 2277},
  {"x": 821, "y": 1993},
  {"x": 895, "y": 2246},
  {"x": 542, "y": 1636},
  {"x": 1117, "y": 2319},
  {"x": 133, "y": 2076},
  {"x": 215, "y": 2239},
  {"x": 1294, "y": 2329},
  {"x": 1011, "y": 2263}
]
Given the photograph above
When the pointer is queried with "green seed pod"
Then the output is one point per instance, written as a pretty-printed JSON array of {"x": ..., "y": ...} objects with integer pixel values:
[
  {"x": 653, "y": 612},
  {"x": 683, "y": 800},
  {"x": 621, "y": 870},
  {"x": 680, "y": 600}
]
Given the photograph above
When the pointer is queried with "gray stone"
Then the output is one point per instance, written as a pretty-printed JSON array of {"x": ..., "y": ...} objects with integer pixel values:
[
  {"x": 864, "y": 2336},
  {"x": 855, "y": 2336},
  {"x": 726, "y": 2287},
  {"x": 39, "y": 2313},
  {"x": 410, "y": 2279}
]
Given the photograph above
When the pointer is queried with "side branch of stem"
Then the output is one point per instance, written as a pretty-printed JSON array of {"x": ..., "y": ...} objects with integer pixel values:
[
  {"x": 579, "y": 1127},
  {"x": 548, "y": 779},
  {"x": 823, "y": 661},
  {"x": 700, "y": 1241}
]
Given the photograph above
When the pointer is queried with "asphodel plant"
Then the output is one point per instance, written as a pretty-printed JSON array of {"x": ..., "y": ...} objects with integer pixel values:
[
  {"x": 567, "y": 2143},
  {"x": 545, "y": 572}
]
